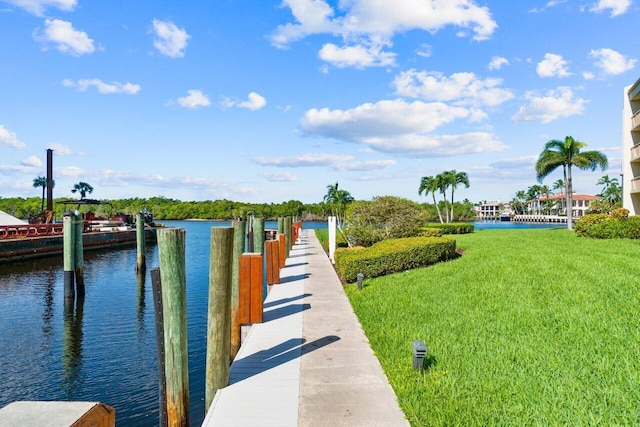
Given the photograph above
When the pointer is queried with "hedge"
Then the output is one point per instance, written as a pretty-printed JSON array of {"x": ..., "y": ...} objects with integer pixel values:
[
  {"x": 392, "y": 256},
  {"x": 453, "y": 227},
  {"x": 603, "y": 226}
]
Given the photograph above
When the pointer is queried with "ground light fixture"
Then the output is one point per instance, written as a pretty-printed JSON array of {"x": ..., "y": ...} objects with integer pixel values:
[
  {"x": 359, "y": 277},
  {"x": 419, "y": 350}
]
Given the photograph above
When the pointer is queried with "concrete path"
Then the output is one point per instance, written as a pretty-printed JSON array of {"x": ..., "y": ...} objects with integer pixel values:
[{"x": 309, "y": 363}]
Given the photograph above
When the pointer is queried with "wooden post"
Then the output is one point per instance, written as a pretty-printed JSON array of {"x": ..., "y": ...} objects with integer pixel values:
[
  {"x": 273, "y": 262},
  {"x": 156, "y": 287},
  {"x": 239, "y": 236},
  {"x": 141, "y": 263},
  {"x": 171, "y": 254},
  {"x": 282, "y": 250},
  {"x": 258, "y": 235},
  {"x": 68, "y": 239},
  {"x": 79, "y": 255},
  {"x": 280, "y": 225},
  {"x": 219, "y": 317},
  {"x": 287, "y": 234},
  {"x": 250, "y": 309}
]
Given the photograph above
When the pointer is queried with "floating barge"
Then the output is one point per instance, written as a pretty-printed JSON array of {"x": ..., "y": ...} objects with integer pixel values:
[{"x": 30, "y": 241}]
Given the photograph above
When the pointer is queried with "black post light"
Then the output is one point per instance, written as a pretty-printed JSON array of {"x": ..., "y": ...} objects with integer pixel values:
[{"x": 360, "y": 277}]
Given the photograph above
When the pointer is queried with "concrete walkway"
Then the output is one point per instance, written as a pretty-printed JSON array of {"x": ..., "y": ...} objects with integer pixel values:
[{"x": 309, "y": 363}]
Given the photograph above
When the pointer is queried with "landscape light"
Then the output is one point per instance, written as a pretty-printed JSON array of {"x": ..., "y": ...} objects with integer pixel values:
[
  {"x": 419, "y": 350},
  {"x": 360, "y": 277}
]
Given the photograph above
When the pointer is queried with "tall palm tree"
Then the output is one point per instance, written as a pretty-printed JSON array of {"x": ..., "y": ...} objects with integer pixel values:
[
  {"x": 442, "y": 184},
  {"x": 568, "y": 153},
  {"x": 429, "y": 184},
  {"x": 40, "y": 181},
  {"x": 533, "y": 193},
  {"x": 545, "y": 191},
  {"x": 83, "y": 188},
  {"x": 558, "y": 184},
  {"x": 454, "y": 179},
  {"x": 521, "y": 198},
  {"x": 338, "y": 198}
]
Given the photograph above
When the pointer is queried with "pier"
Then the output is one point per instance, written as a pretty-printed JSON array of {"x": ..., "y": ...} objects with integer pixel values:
[
  {"x": 309, "y": 362},
  {"x": 540, "y": 218}
]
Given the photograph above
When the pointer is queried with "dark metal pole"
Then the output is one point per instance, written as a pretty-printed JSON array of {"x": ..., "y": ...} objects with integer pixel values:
[{"x": 49, "y": 179}]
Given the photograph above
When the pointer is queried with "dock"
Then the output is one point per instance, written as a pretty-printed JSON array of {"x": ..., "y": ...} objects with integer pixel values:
[{"x": 309, "y": 363}]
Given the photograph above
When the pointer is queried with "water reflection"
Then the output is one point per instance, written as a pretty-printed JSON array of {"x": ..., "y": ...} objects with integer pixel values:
[{"x": 72, "y": 347}]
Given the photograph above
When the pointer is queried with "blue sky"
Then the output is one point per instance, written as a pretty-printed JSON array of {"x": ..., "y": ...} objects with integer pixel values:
[{"x": 267, "y": 101}]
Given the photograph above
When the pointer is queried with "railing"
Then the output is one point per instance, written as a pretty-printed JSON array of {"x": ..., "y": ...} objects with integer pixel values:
[{"x": 29, "y": 230}]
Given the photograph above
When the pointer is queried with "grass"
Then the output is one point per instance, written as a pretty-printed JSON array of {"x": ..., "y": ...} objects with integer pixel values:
[{"x": 528, "y": 327}]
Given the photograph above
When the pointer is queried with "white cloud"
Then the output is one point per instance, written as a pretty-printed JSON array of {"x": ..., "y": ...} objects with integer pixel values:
[
  {"x": 365, "y": 166},
  {"x": 32, "y": 162},
  {"x": 280, "y": 176},
  {"x": 254, "y": 102},
  {"x": 424, "y": 51},
  {"x": 497, "y": 62},
  {"x": 10, "y": 139},
  {"x": 63, "y": 150},
  {"x": 102, "y": 87},
  {"x": 37, "y": 7},
  {"x": 400, "y": 128},
  {"x": 194, "y": 99},
  {"x": 553, "y": 105},
  {"x": 303, "y": 161},
  {"x": 618, "y": 7},
  {"x": 611, "y": 62},
  {"x": 462, "y": 88},
  {"x": 66, "y": 38},
  {"x": 170, "y": 40},
  {"x": 358, "y": 56},
  {"x": 553, "y": 66},
  {"x": 366, "y": 26}
]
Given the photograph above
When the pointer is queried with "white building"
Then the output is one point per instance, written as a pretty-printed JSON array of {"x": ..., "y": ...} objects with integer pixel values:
[{"x": 631, "y": 149}]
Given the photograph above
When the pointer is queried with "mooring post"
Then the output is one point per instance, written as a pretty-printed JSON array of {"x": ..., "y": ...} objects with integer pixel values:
[
  {"x": 219, "y": 312},
  {"x": 287, "y": 235},
  {"x": 239, "y": 237},
  {"x": 280, "y": 225},
  {"x": 141, "y": 263},
  {"x": 68, "y": 240},
  {"x": 171, "y": 254},
  {"x": 79, "y": 255},
  {"x": 258, "y": 235},
  {"x": 156, "y": 287}
]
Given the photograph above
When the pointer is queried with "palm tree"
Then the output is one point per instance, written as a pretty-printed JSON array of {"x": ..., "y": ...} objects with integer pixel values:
[
  {"x": 558, "y": 184},
  {"x": 533, "y": 193},
  {"x": 40, "y": 181},
  {"x": 567, "y": 153},
  {"x": 453, "y": 179},
  {"x": 612, "y": 192},
  {"x": 429, "y": 184},
  {"x": 545, "y": 191},
  {"x": 83, "y": 188}
]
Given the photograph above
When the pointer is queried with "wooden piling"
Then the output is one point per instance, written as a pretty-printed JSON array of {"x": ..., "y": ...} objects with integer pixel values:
[
  {"x": 282, "y": 250},
  {"x": 171, "y": 254},
  {"x": 250, "y": 291},
  {"x": 141, "y": 263},
  {"x": 272, "y": 250},
  {"x": 68, "y": 239},
  {"x": 281, "y": 225},
  {"x": 239, "y": 237},
  {"x": 258, "y": 235},
  {"x": 219, "y": 312},
  {"x": 287, "y": 234},
  {"x": 156, "y": 287},
  {"x": 78, "y": 261}
]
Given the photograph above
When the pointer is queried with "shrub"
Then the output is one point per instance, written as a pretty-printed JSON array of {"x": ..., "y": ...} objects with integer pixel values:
[
  {"x": 453, "y": 227},
  {"x": 603, "y": 226},
  {"x": 386, "y": 217},
  {"x": 392, "y": 256},
  {"x": 431, "y": 232},
  {"x": 620, "y": 213}
]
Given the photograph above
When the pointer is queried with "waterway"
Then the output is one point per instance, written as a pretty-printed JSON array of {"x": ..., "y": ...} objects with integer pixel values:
[{"x": 104, "y": 349}]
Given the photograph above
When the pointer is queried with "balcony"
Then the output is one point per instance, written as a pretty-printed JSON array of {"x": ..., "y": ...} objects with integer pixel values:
[
  {"x": 635, "y": 185},
  {"x": 635, "y": 153},
  {"x": 635, "y": 121},
  {"x": 634, "y": 91}
]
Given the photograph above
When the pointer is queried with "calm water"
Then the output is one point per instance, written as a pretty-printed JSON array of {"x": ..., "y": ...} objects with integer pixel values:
[{"x": 103, "y": 349}]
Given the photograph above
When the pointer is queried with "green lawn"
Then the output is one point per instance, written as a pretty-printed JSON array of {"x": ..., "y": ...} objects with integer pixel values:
[{"x": 528, "y": 327}]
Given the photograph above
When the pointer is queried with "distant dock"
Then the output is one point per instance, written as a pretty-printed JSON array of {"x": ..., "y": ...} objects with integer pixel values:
[{"x": 27, "y": 242}]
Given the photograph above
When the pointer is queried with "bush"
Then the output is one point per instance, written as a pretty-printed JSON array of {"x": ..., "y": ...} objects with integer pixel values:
[
  {"x": 431, "y": 232},
  {"x": 387, "y": 217},
  {"x": 453, "y": 227},
  {"x": 392, "y": 256},
  {"x": 614, "y": 226}
]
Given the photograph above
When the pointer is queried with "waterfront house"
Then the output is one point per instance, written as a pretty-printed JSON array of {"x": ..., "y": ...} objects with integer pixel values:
[{"x": 555, "y": 204}]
